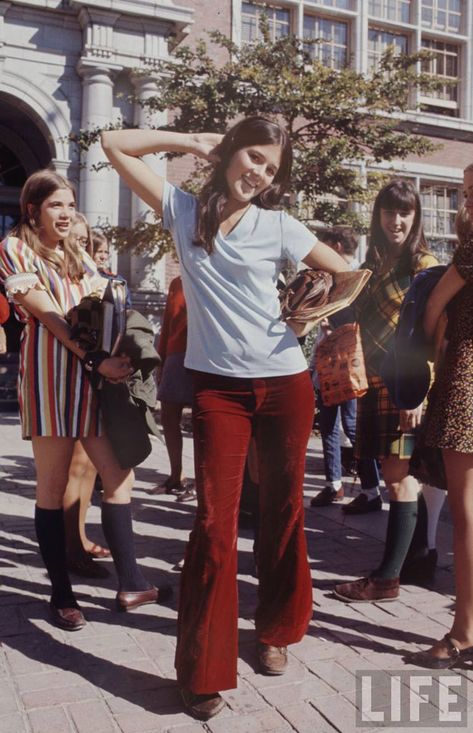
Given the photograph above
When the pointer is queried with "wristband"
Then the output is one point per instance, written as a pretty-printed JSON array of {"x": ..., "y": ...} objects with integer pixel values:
[{"x": 93, "y": 359}]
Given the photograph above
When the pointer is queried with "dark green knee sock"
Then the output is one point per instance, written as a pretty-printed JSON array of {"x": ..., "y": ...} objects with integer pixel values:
[
  {"x": 419, "y": 546},
  {"x": 401, "y": 524}
]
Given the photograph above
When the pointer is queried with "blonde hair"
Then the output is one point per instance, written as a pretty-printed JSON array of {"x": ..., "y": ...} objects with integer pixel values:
[
  {"x": 463, "y": 222},
  {"x": 37, "y": 188},
  {"x": 81, "y": 219}
]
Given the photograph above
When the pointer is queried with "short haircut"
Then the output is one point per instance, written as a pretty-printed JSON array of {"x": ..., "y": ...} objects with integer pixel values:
[{"x": 344, "y": 235}]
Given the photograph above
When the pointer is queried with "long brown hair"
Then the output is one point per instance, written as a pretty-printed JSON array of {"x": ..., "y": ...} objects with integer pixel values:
[
  {"x": 37, "y": 188},
  {"x": 397, "y": 194},
  {"x": 214, "y": 194}
]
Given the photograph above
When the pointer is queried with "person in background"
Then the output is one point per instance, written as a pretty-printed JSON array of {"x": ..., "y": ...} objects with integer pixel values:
[
  {"x": 45, "y": 274},
  {"x": 449, "y": 426},
  {"x": 80, "y": 550},
  {"x": 397, "y": 250},
  {"x": 81, "y": 233},
  {"x": 100, "y": 253},
  {"x": 342, "y": 239},
  {"x": 175, "y": 389}
]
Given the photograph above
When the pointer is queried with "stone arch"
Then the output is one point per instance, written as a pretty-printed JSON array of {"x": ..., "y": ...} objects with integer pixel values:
[{"x": 40, "y": 109}]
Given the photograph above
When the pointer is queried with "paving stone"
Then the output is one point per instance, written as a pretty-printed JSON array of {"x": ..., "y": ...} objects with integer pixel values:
[
  {"x": 341, "y": 713},
  {"x": 8, "y": 702},
  {"x": 13, "y": 723},
  {"x": 245, "y": 700},
  {"x": 91, "y": 717},
  {"x": 58, "y": 696},
  {"x": 50, "y": 720},
  {"x": 306, "y": 719},
  {"x": 47, "y": 681},
  {"x": 311, "y": 688},
  {"x": 258, "y": 722}
]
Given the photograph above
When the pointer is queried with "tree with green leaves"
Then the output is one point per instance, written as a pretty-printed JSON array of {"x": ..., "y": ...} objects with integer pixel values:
[{"x": 337, "y": 119}]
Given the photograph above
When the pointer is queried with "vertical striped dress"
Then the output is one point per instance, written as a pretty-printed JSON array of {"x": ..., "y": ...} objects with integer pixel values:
[{"x": 55, "y": 396}]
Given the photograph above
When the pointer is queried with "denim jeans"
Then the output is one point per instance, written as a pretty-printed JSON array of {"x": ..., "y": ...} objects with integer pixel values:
[
  {"x": 227, "y": 411},
  {"x": 329, "y": 421}
]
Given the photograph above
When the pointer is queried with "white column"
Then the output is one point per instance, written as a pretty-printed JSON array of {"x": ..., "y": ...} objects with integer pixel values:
[
  {"x": 96, "y": 189},
  {"x": 144, "y": 274}
]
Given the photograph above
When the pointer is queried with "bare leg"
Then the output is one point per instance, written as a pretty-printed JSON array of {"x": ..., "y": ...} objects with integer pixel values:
[
  {"x": 76, "y": 501},
  {"x": 459, "y": 472},
  {"x": 401, "y": 486}
]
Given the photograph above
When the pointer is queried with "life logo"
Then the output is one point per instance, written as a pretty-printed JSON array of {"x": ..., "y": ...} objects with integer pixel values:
[{"x": 407, "y": 698}]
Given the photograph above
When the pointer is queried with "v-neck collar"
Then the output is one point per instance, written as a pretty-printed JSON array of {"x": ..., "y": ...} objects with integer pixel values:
[{"x": 242, "y": 227}]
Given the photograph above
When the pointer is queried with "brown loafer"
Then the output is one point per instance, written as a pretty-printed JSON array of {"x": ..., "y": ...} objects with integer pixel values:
[
  {"x": 368, "y": 590},
  {"x": 455, "y": 656},
  {"x": 202, "y": 707},
  {"x": 272, "y": 659},
  {"x": 127, "y": 600},
  {"x": 70, "y": 619}
]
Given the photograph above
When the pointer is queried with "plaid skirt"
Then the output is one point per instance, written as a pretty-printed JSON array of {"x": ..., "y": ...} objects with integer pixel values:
[{"x": 377, "y": 425}]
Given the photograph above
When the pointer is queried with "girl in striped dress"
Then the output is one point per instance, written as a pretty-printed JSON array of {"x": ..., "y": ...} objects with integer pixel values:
[{"x": 45, "y": 274}]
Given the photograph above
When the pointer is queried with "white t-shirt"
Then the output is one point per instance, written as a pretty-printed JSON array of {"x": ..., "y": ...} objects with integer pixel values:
[{"x": 231, "y": 296}]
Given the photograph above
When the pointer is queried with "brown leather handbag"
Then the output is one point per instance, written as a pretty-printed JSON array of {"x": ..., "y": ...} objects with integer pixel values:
[
  {"x": 340, "y": 365},
  {"x": 302, "y": 298}
]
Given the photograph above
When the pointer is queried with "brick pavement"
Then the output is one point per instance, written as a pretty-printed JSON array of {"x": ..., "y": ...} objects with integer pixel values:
[{"x": 116, "y": 675}]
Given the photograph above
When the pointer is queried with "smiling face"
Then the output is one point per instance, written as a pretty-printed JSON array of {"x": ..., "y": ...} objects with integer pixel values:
[
  {"x": 468, "y": 191},
  {"x": 55, "y": 217},
  {"x": 250, "y": 170},
  {"x": 80, "y": 234},
  {"x": 396, "y": 225},
  {"x": 102, "y": 255}
]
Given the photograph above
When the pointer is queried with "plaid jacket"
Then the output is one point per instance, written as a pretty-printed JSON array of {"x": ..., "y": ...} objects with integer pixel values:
[{"x": 378, "y": 310}]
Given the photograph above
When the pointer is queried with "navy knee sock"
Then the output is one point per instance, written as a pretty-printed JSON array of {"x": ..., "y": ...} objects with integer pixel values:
[
  {"x": 49, "y": 525},
  {"x": 118, "y": 530}
]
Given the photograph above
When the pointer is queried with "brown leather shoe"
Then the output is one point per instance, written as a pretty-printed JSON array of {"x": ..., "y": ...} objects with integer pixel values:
[
  {"x": 70, "y": 619},
  {"x": 368, "y": 590},
  {"x": 272, "y": 659},
  {"x": 362, "y": 505},
  {"x": 202, "y": 707},
  {"x": 127, "y": 600},
  {"x": 327, "y": 496}
]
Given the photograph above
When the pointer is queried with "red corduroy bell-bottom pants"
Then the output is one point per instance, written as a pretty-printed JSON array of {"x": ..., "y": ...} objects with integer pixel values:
[{"x": 227, "y": 411}]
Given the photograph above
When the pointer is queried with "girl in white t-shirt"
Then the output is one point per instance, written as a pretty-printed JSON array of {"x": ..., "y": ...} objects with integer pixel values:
[{"x": 250, "y": 379}]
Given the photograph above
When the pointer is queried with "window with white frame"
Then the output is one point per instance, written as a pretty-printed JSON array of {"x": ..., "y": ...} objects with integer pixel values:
[
  {"x": 332, "y": 36},
  {"x": 439, "y": 207},
  {"x": 279, "y": 21},
  {"x": 399, "y": 10},
  {"x": 442, "y": 15},
  {"x": 378, "y": 42},
  {"x": 342, "y": 4},
  {"x": 445, "y": 63}
]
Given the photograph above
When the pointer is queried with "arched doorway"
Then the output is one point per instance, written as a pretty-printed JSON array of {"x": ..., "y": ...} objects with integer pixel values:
[{"x": 24, "y": 148}]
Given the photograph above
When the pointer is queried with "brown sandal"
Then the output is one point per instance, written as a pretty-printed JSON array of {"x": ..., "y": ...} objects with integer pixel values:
[{"x": 455, "y": 656}]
